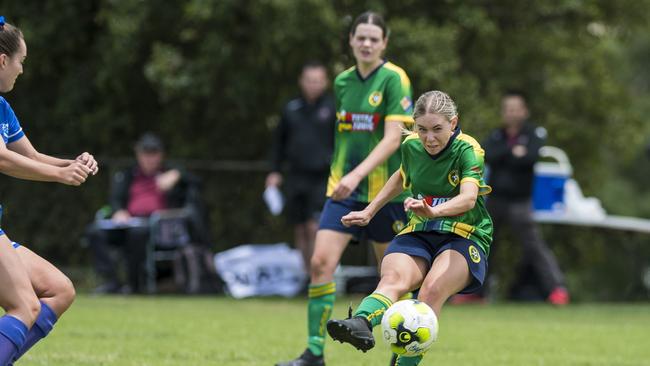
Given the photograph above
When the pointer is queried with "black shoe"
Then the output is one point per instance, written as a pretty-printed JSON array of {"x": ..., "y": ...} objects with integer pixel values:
[
  {"x": 354, "y": 330},
  {"x": 306, "y": 359}
]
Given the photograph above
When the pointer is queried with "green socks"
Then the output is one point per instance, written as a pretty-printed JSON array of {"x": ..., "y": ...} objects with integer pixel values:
[
  {"x": 408, "y": 361},
  {"x": 319, "y": 310},
  {"x": 373, "y": 307}
]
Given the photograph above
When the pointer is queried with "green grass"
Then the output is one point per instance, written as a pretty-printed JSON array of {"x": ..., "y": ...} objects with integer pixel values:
[{"x": 221, "y": 331}]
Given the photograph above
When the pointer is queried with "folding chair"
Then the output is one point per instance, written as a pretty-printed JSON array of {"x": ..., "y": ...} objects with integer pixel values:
[{"x": 169, "y": 233}]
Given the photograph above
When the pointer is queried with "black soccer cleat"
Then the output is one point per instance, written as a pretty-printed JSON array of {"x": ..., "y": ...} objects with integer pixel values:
[
  {"x": 355, "y": 330},
  {"x": 306, "y": 359}
]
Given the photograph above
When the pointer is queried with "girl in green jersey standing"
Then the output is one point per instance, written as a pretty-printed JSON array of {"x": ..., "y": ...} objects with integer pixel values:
[{"x": 443, "y": 249}]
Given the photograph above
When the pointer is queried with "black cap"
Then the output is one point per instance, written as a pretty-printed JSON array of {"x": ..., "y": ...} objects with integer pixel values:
[{"x": 149, "y": 142}]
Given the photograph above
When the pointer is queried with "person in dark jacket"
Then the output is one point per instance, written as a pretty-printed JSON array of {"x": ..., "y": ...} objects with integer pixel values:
[
  {"x": 301, "y": 153},
  {"x": 136, "y": 193},
  {"x": 511, "y": 153}
]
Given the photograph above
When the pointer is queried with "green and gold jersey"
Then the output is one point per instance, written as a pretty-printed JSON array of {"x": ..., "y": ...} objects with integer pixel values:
[
  {"x": 437, "y": 179},
  {"x": 363, "y": 106}
]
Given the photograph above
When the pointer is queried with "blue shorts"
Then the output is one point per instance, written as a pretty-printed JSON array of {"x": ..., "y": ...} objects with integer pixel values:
[
  {"x": 389, "y": 221},
  {"x": 428, "y": 245}
]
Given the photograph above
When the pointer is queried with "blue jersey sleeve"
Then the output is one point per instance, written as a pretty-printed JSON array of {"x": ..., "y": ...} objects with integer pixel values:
[{"x": 9, "y": 124}]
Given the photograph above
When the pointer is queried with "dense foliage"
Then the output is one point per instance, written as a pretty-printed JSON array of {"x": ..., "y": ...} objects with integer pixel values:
[{"x": 211, "y": 76}]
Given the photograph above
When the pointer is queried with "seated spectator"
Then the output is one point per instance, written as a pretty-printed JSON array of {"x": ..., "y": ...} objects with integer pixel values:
[{"x": 136, "y": 193}]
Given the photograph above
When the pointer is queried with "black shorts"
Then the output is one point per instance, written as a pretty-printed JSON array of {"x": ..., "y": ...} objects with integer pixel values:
[
  {"x": 428, "y": 245},
  {"x": 305, "y": 197}
]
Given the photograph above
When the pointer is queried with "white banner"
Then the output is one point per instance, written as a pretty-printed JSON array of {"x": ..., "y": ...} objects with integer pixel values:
[{"x": 261, "y": 270}]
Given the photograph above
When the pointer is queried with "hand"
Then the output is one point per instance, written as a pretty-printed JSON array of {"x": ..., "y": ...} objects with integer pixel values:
[
  {"x": 346, "y": 186},
  {"x": 274, "y": 179},
  {"x": 419, "y": 207},
  {"x": 89, "y": 161},
  {"x": 121, "y": 216},
  {"x": 358, "y": 218},
  {"x": 167, "y": 180},
  {"x": 519, "y": 151},
  {"x": 74, "y": 174}
]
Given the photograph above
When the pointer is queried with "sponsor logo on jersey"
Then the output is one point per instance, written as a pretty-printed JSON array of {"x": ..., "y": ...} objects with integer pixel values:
[
  {"x": 375, "y": 98},
  {"x": 5, "y": 130},
  {"x": 453, "y": 177},
  {"x": 358, "y": 121},
  {"x": 433, "y": 201},
  {"x": 406, "y": 103},
  {"x": 474, "y": 254}
]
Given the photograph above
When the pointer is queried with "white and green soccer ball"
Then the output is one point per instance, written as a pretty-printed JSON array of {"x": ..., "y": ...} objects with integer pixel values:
[{"x": 410, "y": 327}]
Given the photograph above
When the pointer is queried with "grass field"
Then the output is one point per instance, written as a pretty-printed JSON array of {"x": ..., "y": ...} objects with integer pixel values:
[{"x": 222, "y": 331}]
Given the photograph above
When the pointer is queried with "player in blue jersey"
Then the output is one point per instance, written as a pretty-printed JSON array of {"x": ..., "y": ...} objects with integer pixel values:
[{"x": 33, "y": 292}]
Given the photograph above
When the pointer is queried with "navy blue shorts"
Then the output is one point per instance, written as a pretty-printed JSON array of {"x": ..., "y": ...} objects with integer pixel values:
[
  {"x": 428, "y": 245},
  {"x": 389, "y": 221}
]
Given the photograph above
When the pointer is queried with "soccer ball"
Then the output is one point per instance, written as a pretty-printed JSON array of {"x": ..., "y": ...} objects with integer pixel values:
[{"x": 410, "y": 327}]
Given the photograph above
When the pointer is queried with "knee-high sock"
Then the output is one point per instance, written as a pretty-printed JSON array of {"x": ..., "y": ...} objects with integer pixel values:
[
  {"x": 319, "y": 310},
  {"x": 41, "y": 328},
  {"x": 12, "y": 337},
  {"x": 373, "y": 308},
  {"x": 408, "y": 361}
]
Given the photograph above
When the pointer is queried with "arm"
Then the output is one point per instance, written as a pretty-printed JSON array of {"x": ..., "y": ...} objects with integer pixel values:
[
  {"x": 25, "y": 148},
  {"x": 527, "y": 155},
  {"x": 19, "y": 166},
  {"x": 392, "y": 188},
  {"x": 384, "y": 149},
  {"x": 167, "y": 180},
  {"x": 463, "y": 202}
]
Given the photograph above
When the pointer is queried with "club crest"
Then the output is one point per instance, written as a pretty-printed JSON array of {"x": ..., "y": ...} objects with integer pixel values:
[
  {"x": 474, "y": 254},
  {"x": 375, "y": 98},
  {"x": 453, "y": 177}
]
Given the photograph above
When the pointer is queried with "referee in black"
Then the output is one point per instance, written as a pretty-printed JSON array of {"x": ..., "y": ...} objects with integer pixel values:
[{"x": 301, "y": 153}]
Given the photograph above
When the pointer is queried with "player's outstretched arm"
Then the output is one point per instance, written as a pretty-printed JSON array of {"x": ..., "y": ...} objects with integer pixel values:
[
  {"x": 392, "y": 188},
  {"x": 25, "y": 148},
  {"x": 463, "y": 202},
  {"x": 384, "y": 149},
  {"x": 19, "y": 166}
]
